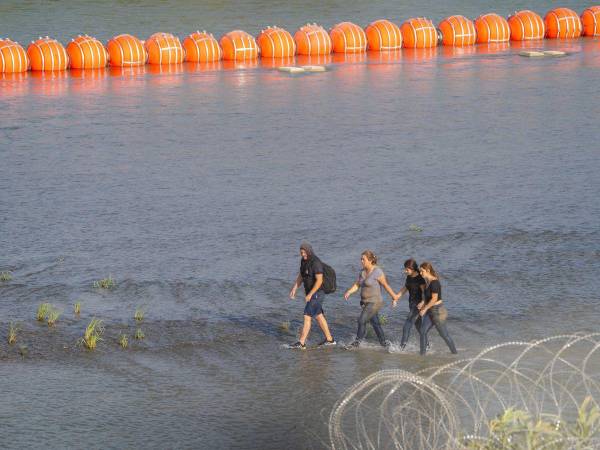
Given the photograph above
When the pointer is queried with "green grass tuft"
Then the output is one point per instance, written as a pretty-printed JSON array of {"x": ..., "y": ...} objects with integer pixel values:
[
  {"x": 92, "y": 334},
  {"x": 123, "y": 341},
  {"x": 23, "y": 350},
  {"x": 516, "y": 429},
  {"x": 77, "y": 308},
  {"x": 12, "y": 333},
  {"x": 139, "y": 314},
  {"x": 415, "y": 228},
  {"x": 52, "y": 316},
  {"x": 105, "y": 283},
  {"x": 42, "y": 312},
  {"x": 139, "y": 334},
  {"x": 5, "y": 276}
]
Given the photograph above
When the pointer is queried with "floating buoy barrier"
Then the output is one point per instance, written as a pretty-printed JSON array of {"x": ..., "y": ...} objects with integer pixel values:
[
  {"x": 526, "y": 26},
  {"x": 309, "y": 49},
  {"x": 457, "y": 31},
  {"x": 13, "y": 58},
  {"x": 126, "y": 50},
  {"x": 47, "y": 54},
  {"x": 492, "y": 28},
  {"x": 202, "y": 47},
  {"x": 383, "y": 35},
  {"x": 86, "y": 52},
  {"x": 347, "y": 37},
  {"x": 238, "y": 45},
  {"x": 291, "y": 69},
  {"x": 531, "y": 54},
  {"x": 164, "y": 48},
  {"x": 562, "y": 23},
  {"x": 419, "y": 32},
  {"x": 275, "y": 42},
  {"x": 313, "y": 40},
  {"x": 590, "y": 19},
  {"x": 314, "y": 68}
]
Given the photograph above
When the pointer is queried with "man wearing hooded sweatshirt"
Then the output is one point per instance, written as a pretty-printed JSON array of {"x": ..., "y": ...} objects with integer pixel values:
[{"x": 311, "y": 275}]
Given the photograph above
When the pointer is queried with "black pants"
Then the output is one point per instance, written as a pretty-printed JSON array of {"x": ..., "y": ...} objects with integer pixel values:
[{"x": 433, "y": 316}]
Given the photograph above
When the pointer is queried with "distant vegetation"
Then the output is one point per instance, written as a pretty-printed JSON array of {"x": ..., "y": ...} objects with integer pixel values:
[
  {"x": 123, "y": 341},
  {"x": 5, "y": 276},
  {"x": 42, "y": 312},
  {"x": 52, "y": 316},
  {"x": 92, "y": 334},
  {"x": 12, "y": 333},
  {"x": 139, "y": 314},
  {"x": 105, "y": 283}
]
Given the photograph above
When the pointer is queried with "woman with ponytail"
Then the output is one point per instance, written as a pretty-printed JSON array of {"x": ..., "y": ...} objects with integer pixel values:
[{"x": 431, "y": 309}]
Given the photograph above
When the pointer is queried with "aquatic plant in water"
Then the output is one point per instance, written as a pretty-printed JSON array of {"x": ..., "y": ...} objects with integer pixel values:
[
  {"x": 5, "y": 276},
  {"x": 77, "y": 308},
  {"x": 139, "y": 314},
  {"x": 52, "y": 316},
  {"x": 42, "y": 311},
  {"x": 105, "y": 283},
  {"x": 92, "y": 334},
  {"x": 285, "y": 326},
  {"x": 516, "y": 395},
  {"x": 13, "y": 329},
  {"x": 139, "y": 334},
  {"x": 415, "y": 228},
  {"x": 123, "y": 341}
]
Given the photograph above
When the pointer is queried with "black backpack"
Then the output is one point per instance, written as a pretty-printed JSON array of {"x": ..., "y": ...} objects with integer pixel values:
[{"x": 329, "y": 283}]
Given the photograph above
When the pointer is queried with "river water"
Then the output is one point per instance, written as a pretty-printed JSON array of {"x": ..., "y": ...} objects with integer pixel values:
[{"x": 193, "y": 187}]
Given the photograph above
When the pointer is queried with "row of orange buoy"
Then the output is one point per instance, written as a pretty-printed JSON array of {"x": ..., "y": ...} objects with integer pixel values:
[{"x": 125, "y": 50}]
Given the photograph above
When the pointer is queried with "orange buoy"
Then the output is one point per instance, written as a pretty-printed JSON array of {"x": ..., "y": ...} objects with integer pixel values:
[
  {"x": 383, "y": 35},
  {"x": 126, "y": 50},
  {"x": 47, "y": 54},
  {"x": 419, "y": 33},
  {"x": 526, "y": 26},
  {"x": 492, "y": 28},
  {"x": 347, "y": 37},
  {"x": 238, "y": 45},
  {"x": 313, "y": 40},
  {"x": 202, "y": 47},
  {"x": 591, "y": 21},
  {"x": 457, "y": 31},
  {"x": 164, "y": 48},
  {"x": 13, "y": 58},
  {"x": 275, "y": 42},
  {"x": 562, "y": 23},
  {"x": 86, "y": 52}
]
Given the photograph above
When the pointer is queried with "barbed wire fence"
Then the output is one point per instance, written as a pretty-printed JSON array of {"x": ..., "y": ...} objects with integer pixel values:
[{"x": 517, "y": 395}]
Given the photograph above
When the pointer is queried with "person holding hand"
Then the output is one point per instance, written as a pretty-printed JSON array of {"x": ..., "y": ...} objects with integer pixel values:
[
  {"x": 431, "y": 308},
  {"x": 370, "y": 281}
]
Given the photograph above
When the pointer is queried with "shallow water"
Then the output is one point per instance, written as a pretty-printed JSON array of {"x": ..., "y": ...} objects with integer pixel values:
[{"x": 193, "y": 188}]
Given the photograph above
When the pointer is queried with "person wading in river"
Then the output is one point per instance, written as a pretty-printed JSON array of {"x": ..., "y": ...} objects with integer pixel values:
[
  {"x": 415, "y": 286},
  {"x": 311, "y": 275},
  {"x": 431, "y": 308},
  {"x": 370, "y": 281}
]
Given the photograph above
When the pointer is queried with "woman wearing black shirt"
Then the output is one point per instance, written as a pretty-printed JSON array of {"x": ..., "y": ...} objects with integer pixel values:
[
  {"x": 415, "y": 286},
  {"x": 432, "y": 310}
]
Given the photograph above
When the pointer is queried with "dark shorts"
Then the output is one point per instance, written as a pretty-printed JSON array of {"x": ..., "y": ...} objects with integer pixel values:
[{"x": 315, "y": 306}]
